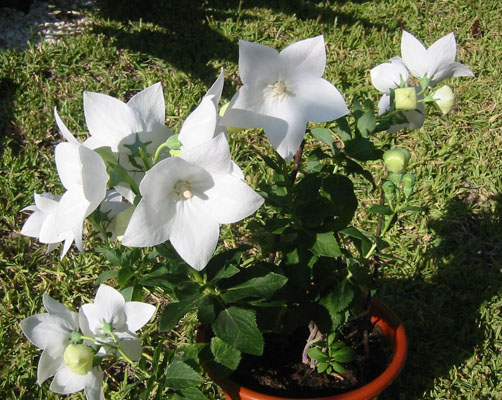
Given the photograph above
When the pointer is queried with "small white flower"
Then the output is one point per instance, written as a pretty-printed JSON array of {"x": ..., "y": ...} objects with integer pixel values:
[
  {"x": 124, "y": 319},
  {"x": 282, "y": 91},
  {"x": 52, "y": 333},
  {"x": 437, "y": 62},
  {"x": 43, "y": 225}
]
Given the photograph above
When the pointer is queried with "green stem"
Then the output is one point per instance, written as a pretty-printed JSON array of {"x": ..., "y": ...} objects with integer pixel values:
[{"x": 158, "y": 151}]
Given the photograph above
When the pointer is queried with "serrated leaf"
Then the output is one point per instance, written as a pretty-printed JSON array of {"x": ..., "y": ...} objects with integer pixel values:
[
  {"x": 326, "y": 245},
  {"x": 237, "y": 326},
  {"x": 181, "y": 376},
  {"x": 225, "y": 354},
  {"x": 189, "y": 394}
]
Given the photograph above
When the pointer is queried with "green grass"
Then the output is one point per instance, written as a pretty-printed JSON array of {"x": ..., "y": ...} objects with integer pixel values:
[{"x": 448, "y": 293}]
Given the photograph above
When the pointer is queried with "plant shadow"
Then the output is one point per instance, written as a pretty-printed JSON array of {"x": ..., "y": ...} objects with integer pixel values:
[
  {"x": 442, "y": 315},
  {"x": 7, "y": 128},
  {"x": 168, "y": 28}
]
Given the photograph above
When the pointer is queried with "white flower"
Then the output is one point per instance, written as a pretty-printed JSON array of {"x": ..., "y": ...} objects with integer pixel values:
[
  {"x": 83, "y": 173},
  {"x": 186, "y": 198},
  {"x": 282, "y": 91},
  {"x": 117, "y": 125},
  {"x": 42, "y": 224},
  {"x": 52, "y": 333},
  {"x": 388, "y": 76},
  {"x": 124, "y": 319},
  {"x": 436, "y": 63}
]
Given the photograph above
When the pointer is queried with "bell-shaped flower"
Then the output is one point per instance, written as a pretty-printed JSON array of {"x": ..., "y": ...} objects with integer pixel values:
[
  {"x": 186, "y": 198},
  {"x": 111, "y": 313},
  {"x": 52, "y": 332},
  {"x": 282, "y": 91},
  {"x": 435, "y": 63}
]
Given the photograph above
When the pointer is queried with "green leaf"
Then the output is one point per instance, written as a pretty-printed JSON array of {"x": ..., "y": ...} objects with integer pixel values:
[
  {"x": 344, "y": 355},
  {"x": 105, "y": 275},
  {"x": 124, "y": 274},
  {"x": 225, "y": 354},
  {"x": 324, "y": 135},
  {"x": 361, "y": 149},
  {"x": 343, "y": 129},
  {"x": 315, "y": 353},
  {"x": 173, "y": 312},
  {"x": 338, "y": 367},
  {"x": 181, "y": 376},
  {"x": 412, "y": 208},
  {"x": 378, "y": 209},
  {"x": 366, "y": 123},
  {"x": 262, "y": 286},
  {"x": 237, "y": 326},
  {"x": 326, "y": 245},
  {"x": 189, "y": 394}
]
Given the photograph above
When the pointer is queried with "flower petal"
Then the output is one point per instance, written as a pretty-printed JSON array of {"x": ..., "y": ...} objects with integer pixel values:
[
  {"x": 67, "y": 382},
  {"x": 46, "y": 331},
  {"x": 94, "y": 385},
  {"x": 259, "y": 65},
  {"x": 149, "y": 105},
  {"x": 138, "y": 314},
  {"x": 389, "y": 75},
  {"x": 130, "y": 345},
  {"x": 56, "y": 308},
  {"x": 440, "y": 55},
  {"x": 320, "y": 100},
  {"x": 68, "y": 164},
  {"x": 94, "y": 178},
  {"x": 200, "y": 125},
  {"x": 305, "y": 58},
  {"x": 48, "y": 365},
  {"x": 110, "y": 120},
  {"x": 414, "y": 54},
  {"x": 231, "y": 200},
  {"x": 193, "y": 233},
  {"x": 64, "y": 130},
  {"x": 219, "y": 162}
]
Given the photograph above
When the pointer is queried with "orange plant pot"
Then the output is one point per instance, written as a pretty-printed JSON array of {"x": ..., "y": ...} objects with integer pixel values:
[{"x": 385, "y": 318}]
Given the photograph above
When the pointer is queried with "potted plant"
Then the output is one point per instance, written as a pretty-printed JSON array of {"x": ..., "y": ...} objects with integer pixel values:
[{"x": 297, "y": 279}]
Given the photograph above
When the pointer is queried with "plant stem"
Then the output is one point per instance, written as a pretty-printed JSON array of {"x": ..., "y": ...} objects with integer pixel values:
[{"x": 298, "y": 160}]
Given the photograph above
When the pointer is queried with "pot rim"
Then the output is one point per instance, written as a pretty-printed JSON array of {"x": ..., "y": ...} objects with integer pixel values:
[{"x": 393, "y": 329}]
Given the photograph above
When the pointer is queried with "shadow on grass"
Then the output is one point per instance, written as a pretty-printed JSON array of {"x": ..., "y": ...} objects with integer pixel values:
[
  {"x": 442, "y": 315},
  {"x": 184, "y": 26},
  {"x": 7, "y": 130}
]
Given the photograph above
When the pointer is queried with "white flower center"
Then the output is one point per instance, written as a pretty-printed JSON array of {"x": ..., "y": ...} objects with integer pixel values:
[
  {"x": 279, "y": 89},
  {"x": 183, "y": 188}
]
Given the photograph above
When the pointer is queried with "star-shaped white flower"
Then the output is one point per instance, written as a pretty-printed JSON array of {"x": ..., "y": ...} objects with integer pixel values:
[
  {"x": 124, "y": 319},
  {"x": 282, "y": 91},
  {"x": 186, "y": 198},
  {"x": 43, "y": 224},
  {"x": 117, "y": 125},
  {"x": 52, "y": 333},
  {"x": 437, "y": 62}
]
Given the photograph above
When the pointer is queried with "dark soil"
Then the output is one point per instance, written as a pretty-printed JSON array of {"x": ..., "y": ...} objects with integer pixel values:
[{"x": 280, "y": 371}]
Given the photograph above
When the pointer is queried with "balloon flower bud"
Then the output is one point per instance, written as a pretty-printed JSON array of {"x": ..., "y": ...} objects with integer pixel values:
[
  {"x": 408, "y": 180},
  {"x": 230, "y": 129},
  {"x": 445, "y": 99},
  {"x": 405, "y": 99},
  {"x": 389, "y": 191},
  {"x": 78, "y": 358},
  {"x": 396, "y": 160}
]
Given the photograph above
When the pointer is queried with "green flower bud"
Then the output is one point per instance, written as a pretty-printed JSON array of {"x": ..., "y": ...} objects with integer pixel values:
[
  {"x": 408, "y": 180},
  {"x": 405, "y": 99},
  {"x": 78, "y": 358},
  {"x": 389, "y": 191},
  {"x": 230, "y": 129},
  {"x": 444, "y": 98},
  {"x": 396, "y": 160}
]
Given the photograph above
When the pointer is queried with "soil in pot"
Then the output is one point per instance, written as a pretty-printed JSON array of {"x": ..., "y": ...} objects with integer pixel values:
[{"x": 280, "y": 371}]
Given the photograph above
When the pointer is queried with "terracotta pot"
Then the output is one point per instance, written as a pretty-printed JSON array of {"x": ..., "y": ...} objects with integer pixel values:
[{"x": 385, "y": 318}]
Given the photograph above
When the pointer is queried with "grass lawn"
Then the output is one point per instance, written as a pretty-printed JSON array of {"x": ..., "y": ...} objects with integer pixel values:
[{"x": 448, "y": 293}]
